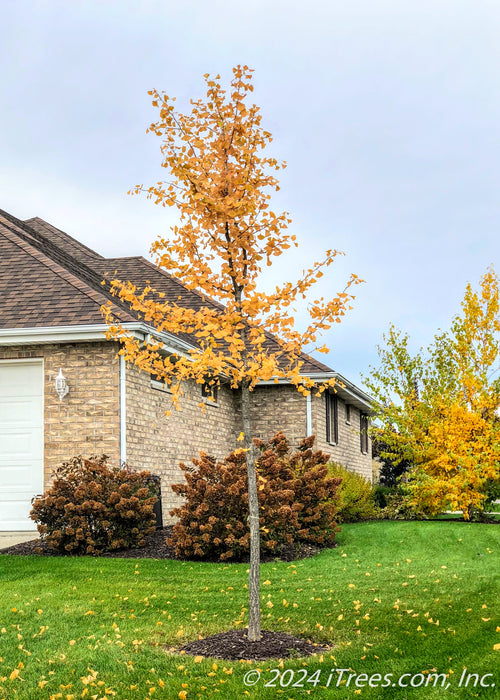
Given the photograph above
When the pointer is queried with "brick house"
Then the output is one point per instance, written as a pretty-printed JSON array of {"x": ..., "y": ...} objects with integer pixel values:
[{"x": 51, "y": 324}]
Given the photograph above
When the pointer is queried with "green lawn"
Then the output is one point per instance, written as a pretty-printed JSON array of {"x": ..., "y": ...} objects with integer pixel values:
[{"x": 392, "y": 598}]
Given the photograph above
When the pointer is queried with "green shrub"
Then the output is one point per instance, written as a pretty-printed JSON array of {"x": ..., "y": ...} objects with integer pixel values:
[
  {"x": 356, "y": 501},
  {"x": 381, "y": 494},
  {"x": 91, "y": 507},
  {"x": 399, "y": 507},
  {"x": 492, "y": 491},
  {"x": 297, "y": 502},
  {"x": 392, "y": 466}
]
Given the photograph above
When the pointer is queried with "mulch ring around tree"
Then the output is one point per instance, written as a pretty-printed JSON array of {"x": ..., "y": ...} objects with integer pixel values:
[
  {"x": 234, "y": 645},
  {"x": 157, "y": 548}
]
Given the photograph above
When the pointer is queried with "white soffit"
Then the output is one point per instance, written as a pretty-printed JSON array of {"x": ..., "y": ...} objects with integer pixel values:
[{"x": 82, "y": 334}]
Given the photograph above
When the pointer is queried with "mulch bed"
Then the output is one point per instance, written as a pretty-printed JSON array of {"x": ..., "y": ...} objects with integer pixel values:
[
  {"x": 234, "y": 645},
  {"x": 156, "y": 548}
]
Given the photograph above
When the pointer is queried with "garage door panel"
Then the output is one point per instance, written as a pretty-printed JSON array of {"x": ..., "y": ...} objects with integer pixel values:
[
  {"x": 21, "y": 442},
  {"x": 20, "y": 379},
  {"x": 20, "y": 445},
  {"x": 11, "y": 519},
  {"x": 19, "y": 479},
  {"x": 19, "y": 411}
]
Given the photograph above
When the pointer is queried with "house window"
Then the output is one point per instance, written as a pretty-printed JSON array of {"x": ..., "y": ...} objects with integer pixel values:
[
  {"x": 363, "y": 421},
  {"x": 348, "y": 414},
  {"x": 159, "y": 384},
  {"x": 332, "y": 419},
  {"x": 209, "y": 392}
]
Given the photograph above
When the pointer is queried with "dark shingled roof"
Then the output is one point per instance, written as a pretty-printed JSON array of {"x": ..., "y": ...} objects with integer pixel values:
[{"x": 49, "y": 279}]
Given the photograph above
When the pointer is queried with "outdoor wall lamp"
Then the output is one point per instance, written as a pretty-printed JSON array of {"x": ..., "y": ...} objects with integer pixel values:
[{"x": 61, "y": 385}]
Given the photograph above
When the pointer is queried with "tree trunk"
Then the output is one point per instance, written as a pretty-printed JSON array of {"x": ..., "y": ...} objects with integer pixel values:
[{"x": 253, "y": 521}]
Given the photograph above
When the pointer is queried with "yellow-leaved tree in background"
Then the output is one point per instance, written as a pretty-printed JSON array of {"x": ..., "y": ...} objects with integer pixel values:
[{"x": 439, "y": 409}]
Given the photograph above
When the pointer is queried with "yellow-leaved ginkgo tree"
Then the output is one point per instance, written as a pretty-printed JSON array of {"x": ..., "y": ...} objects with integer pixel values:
[{"x": 220, "y": 181}]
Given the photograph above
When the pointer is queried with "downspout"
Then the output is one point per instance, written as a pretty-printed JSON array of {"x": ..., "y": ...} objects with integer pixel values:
[
  {"x": 123, "y": 411},
  {"x": 308, "y": 415}
]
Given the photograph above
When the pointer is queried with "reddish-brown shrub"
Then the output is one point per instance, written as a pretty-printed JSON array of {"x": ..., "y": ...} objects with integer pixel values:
[
  {"x": 91, "y": 507},
  {"x": 297, "y": 502}
]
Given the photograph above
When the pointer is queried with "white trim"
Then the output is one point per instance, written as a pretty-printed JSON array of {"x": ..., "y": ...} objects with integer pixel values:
[
  {"x": 270, "y": 382},
  {"x": 356, "y": 400},
  {"x": 24, "y": 360},
  {"x": 160, "y": 386},
  {"x": 123, "y": 410},
  {"x": 209, "y": 402},
  {"x": 39, "y": 336},
  {"x": 171, "y": 344},
  {"x": 348, "y": 387},
  {"x": 357, "y": 397},
  {"x": 309, "y": 430},
  {"x": 80, "y": 334}
]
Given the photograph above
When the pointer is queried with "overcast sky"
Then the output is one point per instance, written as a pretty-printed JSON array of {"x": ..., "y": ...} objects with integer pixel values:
[{"x": 387, "y": 112}]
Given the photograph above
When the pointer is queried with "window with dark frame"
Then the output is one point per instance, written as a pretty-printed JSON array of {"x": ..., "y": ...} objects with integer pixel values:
[
  {"x": 363, "y": 422},
  {"x": 159, "y": 383},
  {"x": 348, "y": 413},
  {"x": 209, "y": 392},
  {"x": 332, "y": 419}
]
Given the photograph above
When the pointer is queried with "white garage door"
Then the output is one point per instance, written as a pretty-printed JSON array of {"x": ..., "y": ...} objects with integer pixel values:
[{"x": 21, "y": 441}]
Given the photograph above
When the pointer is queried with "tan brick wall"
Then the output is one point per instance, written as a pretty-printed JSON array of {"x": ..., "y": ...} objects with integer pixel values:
[
  {"x": 158, "y": 442},
  {"x": 87, "y": 420},
  {"x": 279, "y": 407},
  {"x": 348, "y": 451}
]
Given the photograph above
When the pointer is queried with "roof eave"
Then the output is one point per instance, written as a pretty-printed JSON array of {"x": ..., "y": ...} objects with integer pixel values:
[
  {"x": 345, "y": 389},
  {"x": 97, "y": 332},
  {"x": 86, "y": 333}
]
